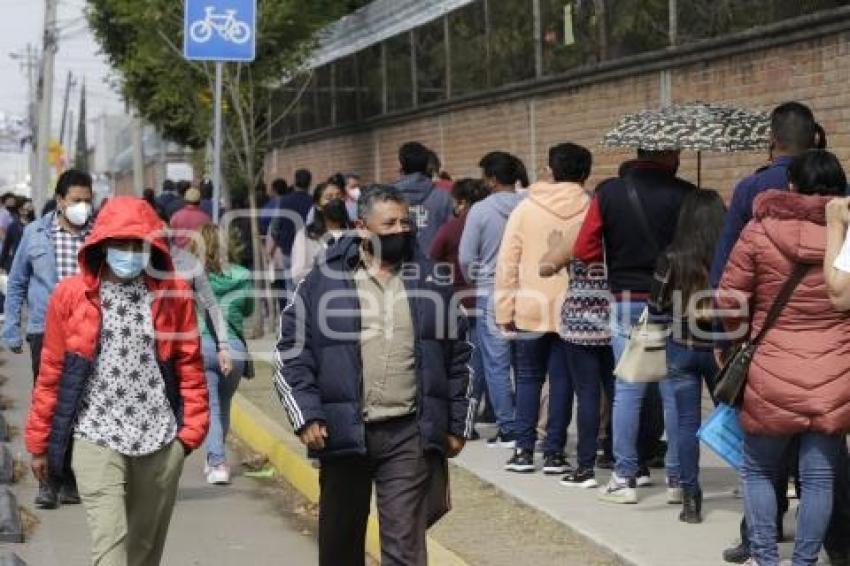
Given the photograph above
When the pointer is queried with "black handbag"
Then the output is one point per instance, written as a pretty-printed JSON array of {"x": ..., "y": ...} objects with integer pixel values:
[{"x": 733, "y": 375}]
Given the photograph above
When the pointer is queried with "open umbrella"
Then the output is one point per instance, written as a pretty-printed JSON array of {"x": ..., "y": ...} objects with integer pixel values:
[{"x": 693, "y": 127}]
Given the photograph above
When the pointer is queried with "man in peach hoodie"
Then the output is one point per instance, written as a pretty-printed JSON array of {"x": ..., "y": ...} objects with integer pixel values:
[{"x": 528, "y": 306}]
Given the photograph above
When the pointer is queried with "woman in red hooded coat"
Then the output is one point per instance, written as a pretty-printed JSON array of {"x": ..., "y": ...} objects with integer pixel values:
[
  {"x": 121, "y": 387},
  {"x": 798, "y": 385}
]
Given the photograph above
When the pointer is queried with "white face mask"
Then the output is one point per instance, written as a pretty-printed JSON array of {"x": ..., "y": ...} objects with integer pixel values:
[
  {"x": 354, "y": 194},
  {"x": 78, "y": 214}
]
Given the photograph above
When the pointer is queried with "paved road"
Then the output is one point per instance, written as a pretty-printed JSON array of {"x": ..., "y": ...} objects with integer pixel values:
[{"x": 240, "y": 525}]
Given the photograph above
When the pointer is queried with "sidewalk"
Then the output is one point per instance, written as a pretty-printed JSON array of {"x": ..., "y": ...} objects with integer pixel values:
[
  {"x": 646, "y": 534},
  {"x": 212, "y": 526}
]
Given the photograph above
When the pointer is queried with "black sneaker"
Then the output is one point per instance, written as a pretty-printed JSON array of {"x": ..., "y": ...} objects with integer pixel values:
[
  {"x": 605, "y": 462},
  {"x": 68, "y": 495},
  {"x": 502, "y": 441},
  {"x": 643, "y": 479},
  {"x": 47, "y": 497},
  {"x": 555, "y": 464},
  {"x": 522, "y": 461},
  {"x": 580, "y": 478},
  {"x": 737, "y": 554}
]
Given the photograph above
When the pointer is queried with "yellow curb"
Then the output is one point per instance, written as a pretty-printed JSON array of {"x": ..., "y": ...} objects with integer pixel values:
[{"x": 269, "y": 438}]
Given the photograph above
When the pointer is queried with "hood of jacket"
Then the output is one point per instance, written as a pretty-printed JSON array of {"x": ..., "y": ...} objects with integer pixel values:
[
  {"x": 502, "y": 203},
  {"x": 124, "y": 218},
  {"x": 416, "y": 187},
  {"x": 564, "y": 200},
  {"x": 795, "y": 223},
  {"x": 232, "y": 278}
]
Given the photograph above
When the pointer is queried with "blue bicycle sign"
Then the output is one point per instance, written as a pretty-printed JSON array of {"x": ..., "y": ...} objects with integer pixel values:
[{"x": 220, "y": 30}]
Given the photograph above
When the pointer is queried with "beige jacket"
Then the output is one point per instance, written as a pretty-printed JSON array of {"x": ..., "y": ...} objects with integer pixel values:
[{"x": 523, "y": 297}]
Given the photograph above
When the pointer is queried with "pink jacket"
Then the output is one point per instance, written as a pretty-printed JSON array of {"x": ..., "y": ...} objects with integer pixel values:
[{"x": 799, "y": 379}]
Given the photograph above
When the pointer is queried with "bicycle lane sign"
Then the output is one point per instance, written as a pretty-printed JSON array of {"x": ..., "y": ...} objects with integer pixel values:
[{"x": 220, "y": 30}]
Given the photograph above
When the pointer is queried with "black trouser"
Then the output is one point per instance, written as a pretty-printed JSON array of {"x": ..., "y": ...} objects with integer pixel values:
[
  {"x": 36, "y": 341},
  {"x": 397, "y": 465}
]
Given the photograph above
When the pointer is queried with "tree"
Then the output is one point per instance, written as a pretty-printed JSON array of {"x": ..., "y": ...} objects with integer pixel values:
[{"x": 142, "y": 40}]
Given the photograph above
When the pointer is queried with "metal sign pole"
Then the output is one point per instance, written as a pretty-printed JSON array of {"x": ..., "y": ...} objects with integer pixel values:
[{"x": 219, "y": 71}]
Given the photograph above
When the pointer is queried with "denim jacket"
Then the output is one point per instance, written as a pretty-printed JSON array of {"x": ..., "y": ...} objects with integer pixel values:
[{"x": 31, "y": 280}]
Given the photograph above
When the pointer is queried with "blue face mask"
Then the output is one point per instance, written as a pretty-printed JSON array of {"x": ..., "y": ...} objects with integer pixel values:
[{"x": 126, "y": 265}]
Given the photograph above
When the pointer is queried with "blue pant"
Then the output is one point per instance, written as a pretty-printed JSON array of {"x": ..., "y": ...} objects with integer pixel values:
[
  {"x": 537, "y": 355},
  {"x": 591, "y": 368},
  {"x": 496, "y": 354},
  {"x": 632, "y": 427},
  {"x": 764, "y": 459},
  {"x": 221, "y": 390},
  {"x": 687, "y": 370}
]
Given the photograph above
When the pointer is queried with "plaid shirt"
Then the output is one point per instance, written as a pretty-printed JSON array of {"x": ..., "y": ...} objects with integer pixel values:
[{"x": 67, "y": 245}]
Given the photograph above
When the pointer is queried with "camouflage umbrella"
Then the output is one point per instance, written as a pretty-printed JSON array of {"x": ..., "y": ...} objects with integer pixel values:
[{"x": 693, "y": 127}]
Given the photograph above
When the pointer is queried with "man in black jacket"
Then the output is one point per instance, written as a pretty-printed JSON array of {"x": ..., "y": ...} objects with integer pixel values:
[
  {"x": 372, "y": 371},
  {"x": 631, "y": 220}
]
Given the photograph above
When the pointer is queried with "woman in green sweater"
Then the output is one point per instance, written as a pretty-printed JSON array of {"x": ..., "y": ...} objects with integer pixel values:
[{"x": 233, "y": 289}]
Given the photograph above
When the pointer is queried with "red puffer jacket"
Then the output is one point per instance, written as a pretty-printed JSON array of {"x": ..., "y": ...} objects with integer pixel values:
[
  {"x": 799, "y": 379},
  {"x": 73, "y": 327}
]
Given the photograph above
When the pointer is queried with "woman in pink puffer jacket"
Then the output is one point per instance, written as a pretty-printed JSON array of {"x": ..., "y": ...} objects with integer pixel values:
[{"x": 799, "y": 380}]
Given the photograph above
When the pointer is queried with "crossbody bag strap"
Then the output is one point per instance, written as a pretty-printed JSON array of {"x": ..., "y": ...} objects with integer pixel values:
[
  {"x": 800, "y": 271},
  {"x": 639, "y": 212}
]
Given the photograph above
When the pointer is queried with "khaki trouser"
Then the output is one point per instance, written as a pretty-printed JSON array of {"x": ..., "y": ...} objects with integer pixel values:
[{"x": 128, "y": 501}]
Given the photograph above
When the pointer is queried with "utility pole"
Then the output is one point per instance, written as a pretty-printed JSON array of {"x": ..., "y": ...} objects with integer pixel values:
[
  {"x": 29, "y": 63},
  {"x": 69, "y": 84},
  {"x": 138, "y": 155},
  {"x": 45, "y": 89}
]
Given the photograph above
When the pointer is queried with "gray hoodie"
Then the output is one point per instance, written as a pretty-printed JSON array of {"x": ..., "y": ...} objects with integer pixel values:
[
  {"x": 430, "y": 207},
  {"x": 482, "y": 237}
]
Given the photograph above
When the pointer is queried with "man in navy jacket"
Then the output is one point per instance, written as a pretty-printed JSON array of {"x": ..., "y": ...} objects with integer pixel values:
[{"x": 372, "y": 372}]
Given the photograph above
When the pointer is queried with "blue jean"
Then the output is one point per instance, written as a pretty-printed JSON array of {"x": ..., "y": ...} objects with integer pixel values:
[
  {"x": 221, "y": 390},
  {"x": 591, "y": 368},
  {"x": 764, "y": 459},
  {"x": 631, "y": 425},
  {"x": 536, "y": 355},
  {"x": 496, "y": 354},
  {"x": 687, "y": 370}
]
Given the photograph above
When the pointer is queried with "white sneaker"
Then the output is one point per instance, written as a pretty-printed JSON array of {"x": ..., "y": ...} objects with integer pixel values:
[
  {"x": 675, "y": 493},
  {"x": 619, "y": 490},
  {"x": 643, "y": 479},
  {"x": 218, "y": 475}
]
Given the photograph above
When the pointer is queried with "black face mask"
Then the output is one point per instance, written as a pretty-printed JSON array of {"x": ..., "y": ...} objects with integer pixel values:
[{"x": 394, "y": 249}]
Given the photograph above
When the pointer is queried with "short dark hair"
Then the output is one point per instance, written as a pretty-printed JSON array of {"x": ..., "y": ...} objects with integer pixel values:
[
  {"x": 793, "y": 127},
  {"x": 279, "y": 187},
  {"x": 570, "y": 162},
  {"x": 303, "y": 178},
  {"x": 349, "y": 176},
  {"x": 434, "y": 163},
  {"x": 72, "y": 178},
  {"x": 337, "y": 179},
  {"x": 7, "y": 195},
  {"x": 507, "y": 169},
  {"x": 183, "y": 186},
  {"x": 470, "y": 190},
  {"x": 818, "y": 172},
  {"x": 168, "y": 186},
  {"x": 377, "y": 193},
  {"x": 413, "y": 158}
]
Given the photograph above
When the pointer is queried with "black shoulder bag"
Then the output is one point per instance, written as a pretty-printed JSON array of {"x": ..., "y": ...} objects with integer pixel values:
[{"x": 733, "y": 375}]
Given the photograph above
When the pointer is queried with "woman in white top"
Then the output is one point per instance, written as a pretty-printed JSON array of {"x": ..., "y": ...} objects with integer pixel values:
[{"x": 330, "y": 219}]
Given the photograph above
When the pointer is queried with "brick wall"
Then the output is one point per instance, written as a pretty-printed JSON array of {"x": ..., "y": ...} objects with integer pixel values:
[{"x": 816, "y": 72}]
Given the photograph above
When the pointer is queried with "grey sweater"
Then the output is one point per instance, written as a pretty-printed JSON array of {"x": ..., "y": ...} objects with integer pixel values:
[{"x": 482, "y": 237}]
